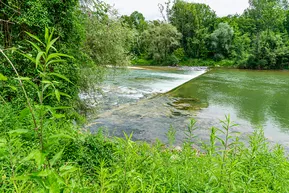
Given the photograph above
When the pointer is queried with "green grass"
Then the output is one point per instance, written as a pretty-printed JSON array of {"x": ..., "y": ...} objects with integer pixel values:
[
  {"x": 189, "y": 62},
  {"x": 208, "y": 62},
  {"x": 74, "y": 160},
  {"x": 142, "y": 62}
]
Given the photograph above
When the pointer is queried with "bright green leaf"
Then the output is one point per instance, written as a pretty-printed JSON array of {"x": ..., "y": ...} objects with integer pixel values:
[
  {"x": 2, "y": 77},
  {"x": 60, "y": 76},
  {"x": 35, "y": 37},
  {"x": 56, "y": 157},
  {"x": 57, "y": 94}
]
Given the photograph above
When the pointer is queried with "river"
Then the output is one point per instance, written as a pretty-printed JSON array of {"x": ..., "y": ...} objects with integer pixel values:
[{"x": 148, "y": 101}]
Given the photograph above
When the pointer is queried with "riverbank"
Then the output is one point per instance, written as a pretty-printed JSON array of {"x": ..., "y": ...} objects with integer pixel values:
[
  {"x": 74, "y": 160},
  {"x": 189, "y": 62}
]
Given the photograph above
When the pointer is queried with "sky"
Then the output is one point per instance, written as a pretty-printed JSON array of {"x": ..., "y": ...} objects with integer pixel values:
[{"x": 149, "y": 8}]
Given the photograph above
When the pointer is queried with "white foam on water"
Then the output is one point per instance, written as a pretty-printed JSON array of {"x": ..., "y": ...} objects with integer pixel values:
[
  {"x": 128, "y": 88},
  {"x": 163, "y": 86}
]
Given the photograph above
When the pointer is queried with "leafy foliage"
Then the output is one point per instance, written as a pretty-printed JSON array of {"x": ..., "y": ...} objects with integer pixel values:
[
  {"x": 81, "y": 162},
  {"x": 221, "y": 40},
  {"x": 161, "y": 41}
]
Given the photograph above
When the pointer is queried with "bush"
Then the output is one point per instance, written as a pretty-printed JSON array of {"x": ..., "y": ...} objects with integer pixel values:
[
  {"x": 142, "y": 62},
  {"x": 180, "y": 54},
  {"x": 172, "y": 60}
]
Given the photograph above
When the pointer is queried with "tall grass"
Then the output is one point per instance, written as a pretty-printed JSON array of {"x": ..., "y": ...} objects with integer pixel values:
[{"x": 82, "y": 162}]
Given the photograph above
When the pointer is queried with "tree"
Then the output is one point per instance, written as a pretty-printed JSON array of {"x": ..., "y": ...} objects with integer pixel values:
[
  {"x": 272, "y": 52},
  {"x": 107, "y": 42},
  {"x": 194, "y": 21},
  {"x": 137, "y": 23},
  {"x": 161, "y": 41},
  {"x": 221, "y": 40},
  {"x": 267, "y": 14}
]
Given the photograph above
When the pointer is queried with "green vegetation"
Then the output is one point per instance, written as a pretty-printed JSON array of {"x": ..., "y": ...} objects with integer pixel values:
[
  {"x": 257, "y": 39},
  {"x": 82, "y": 31},
  {"x": 43, "y": 70},
  {"x": 72, "y": 160}
]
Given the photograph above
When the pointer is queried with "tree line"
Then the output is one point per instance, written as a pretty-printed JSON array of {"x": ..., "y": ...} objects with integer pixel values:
[{"x": 192, "y": 33}]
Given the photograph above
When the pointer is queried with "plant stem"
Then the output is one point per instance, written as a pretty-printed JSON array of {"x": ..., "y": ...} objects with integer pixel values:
[
  {"x": 3, "y": 99},
  {"x": 24, "y": 91}
]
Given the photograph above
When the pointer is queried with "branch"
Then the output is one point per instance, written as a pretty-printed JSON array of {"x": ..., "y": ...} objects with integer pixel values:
[
  {"x": 6, "y": 20},
  {"x": 161, "y": 9},
  {"x": 10, "y": 7},
  {"x": 24, "y": 91}
]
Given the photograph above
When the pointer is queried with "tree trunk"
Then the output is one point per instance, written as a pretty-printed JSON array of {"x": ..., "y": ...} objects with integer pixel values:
[{"x": 6, "y": 25}]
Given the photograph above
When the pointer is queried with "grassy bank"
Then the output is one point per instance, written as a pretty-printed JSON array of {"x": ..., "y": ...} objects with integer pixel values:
[
  {"x": 208, "y": 62},
  {"x": 189, "y": 62},
  {"x": 73, "y": 160}
]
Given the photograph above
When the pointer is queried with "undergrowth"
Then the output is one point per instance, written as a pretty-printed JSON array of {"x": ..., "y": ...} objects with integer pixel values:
[{"x": 74, "y": 160}]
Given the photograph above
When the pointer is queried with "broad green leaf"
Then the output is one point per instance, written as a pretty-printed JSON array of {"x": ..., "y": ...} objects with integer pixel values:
[
  {"x": 60, "y": 76},
  {"x": 64, "y": 94},
  {"x": 38, "y": 57},
  {"x": 25, "y": 112},
  {"x": 23, "y": 78},
  {"x": 57, "y": 94},
  {"x": 56, "y": 157},
  {"x": 46, "y": 36},
  {"x": 46, "y": 82},
  {"x": 28, "y": 56},
  {"x": 2, "y": 142},
  {"x": 12, "y": 87},
  {"x": 35, "y": 46},
  {"x": 51, "y": 35},
  {"x": 31, "y": 156},
  {"x": 50, "y": 44},
  {"x": 35, "y": 37},
  {"x": 43, "y": 173},
  {"x": 3, "y": 78},
  {"x": 39, "y": 158},
  {"x": 46, "y": 86},
  {"x": 24, "y": 177},
  {"x": 19, "y": 131},
  {"x": 55, "y": 61},
  {"x": 33, "y": 84},
  {"x": 67, "y": 170},
  {"x": 56, "y": 55},
  {"x": 59, "y": 178}
]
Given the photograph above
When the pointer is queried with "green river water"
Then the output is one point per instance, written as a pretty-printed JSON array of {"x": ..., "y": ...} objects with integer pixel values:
[{"x": 252, "y": 98}]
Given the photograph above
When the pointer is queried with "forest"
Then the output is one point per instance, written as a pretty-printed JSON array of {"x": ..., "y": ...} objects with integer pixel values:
[{"x": 53, "y": 50}]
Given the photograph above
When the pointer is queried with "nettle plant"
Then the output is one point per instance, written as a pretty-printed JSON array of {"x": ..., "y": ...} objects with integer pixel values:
[{"x": 45, "y": 85}]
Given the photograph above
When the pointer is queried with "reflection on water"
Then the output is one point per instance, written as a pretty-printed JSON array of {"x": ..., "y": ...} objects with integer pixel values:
[{"x": 252, "y": 98}]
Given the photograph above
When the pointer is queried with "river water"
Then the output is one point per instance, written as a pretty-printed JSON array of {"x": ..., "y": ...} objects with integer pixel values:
[{"x": 148, "y": 101}]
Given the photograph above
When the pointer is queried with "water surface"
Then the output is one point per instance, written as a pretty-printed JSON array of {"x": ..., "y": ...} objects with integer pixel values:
[{"x": 252, "y": 98}]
